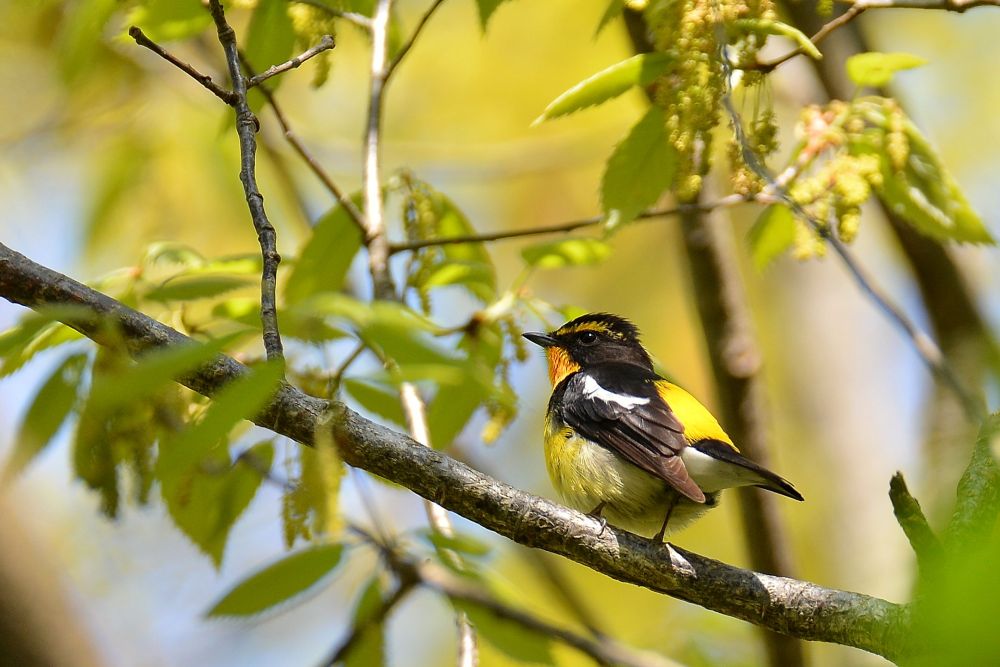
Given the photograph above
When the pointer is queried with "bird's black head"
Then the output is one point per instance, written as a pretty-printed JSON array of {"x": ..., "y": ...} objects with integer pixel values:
[{"x": 594, "y": 338}]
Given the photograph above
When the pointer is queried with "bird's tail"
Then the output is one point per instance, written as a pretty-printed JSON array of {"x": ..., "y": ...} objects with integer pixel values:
[{"x": 758, "y": 475}]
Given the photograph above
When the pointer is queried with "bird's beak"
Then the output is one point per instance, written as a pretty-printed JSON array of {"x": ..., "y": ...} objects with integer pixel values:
[{"x": 542, "y": 339}]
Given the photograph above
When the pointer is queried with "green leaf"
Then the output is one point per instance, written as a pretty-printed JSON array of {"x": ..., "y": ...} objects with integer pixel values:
[
  {"x": 568, "y": 252},
  {"x": 613, "y": 11},
  {"x": 211, "y": 499},
  {"x": 772, "y": 234},
  {"x": 279, "y": 581},
  {"x": 510, "y": 638},
  {"x": 923, "y": 192},
  {"x": 49, "y": 409},
  {"x": 772, "y": 27},
  {"x": 369, "y": 650},
  {"x": 479, "y": 275},
  {"x": 376, "y": 397},
  {"x": 639, "y": 70},
  {"x": 240, "y": 399},
  {"x": 325, "y": 258},
  {"x": 269, "y": 41},
  {"x": 167, "y": 20},
  {"x": 639, "y": 170},
  {"x": 877, "y": 69},
  {"x": 486, "y": 10},
  {"x": 459, "y": 542},
  {"x": 19, "y": 345},
  {"x": 188, "y": 288}
]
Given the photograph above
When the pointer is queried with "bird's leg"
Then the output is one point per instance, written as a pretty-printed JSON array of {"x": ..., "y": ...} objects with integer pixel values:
[
  {"x": 663, "y": 529},
  {"x": 596, "y": 514}
]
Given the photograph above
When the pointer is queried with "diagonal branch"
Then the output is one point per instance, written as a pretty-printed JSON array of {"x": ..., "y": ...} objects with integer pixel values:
[
  {"x": 325, "y": 44},
  {"x": 142, "y": 40},
  {"x": 789, "y": 606},
  {"x": 852, "y": 13},
  {"x": 246, "y": 127},
  {"x": 405, "y": 48}
]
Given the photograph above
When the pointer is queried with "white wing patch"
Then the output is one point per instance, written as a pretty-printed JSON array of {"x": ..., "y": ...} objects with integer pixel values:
[{"x": 593, "y": 390}]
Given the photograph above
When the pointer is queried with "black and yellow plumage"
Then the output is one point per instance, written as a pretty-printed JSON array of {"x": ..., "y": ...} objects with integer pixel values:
[{"x": 623, "y": 443}]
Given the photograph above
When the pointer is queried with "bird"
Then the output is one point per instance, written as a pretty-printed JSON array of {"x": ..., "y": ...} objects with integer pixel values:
[{"x": 625, "y": 445}]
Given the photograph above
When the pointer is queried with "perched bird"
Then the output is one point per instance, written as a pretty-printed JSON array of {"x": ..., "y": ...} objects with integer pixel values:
[{"x": 624, "y": 444}]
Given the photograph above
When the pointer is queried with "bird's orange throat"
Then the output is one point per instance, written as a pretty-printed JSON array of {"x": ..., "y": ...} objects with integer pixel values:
[{"x": 560, "y": 364}]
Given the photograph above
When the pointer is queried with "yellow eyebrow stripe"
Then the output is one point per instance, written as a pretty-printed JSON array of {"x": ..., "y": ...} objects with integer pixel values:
[{"x": 587, "y": 326}]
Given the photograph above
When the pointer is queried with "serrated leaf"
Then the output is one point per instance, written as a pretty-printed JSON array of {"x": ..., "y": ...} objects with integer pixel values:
[
  {"x": 459, "y": 273},
  {"x": 47, "y": 412},
  {"x": 18, "y": 346},
  {"x": 376, "y": 397},
  {"x": 189, "y": 288},
  {"x": 486, "y": 10},
  {"x": 613, "y": 11},
  {"x": 369, "y": 650},
  {"x": 167, "y": 20},
  {"x": 211, "y": 499},
  {"x": 772, "y": 27},
  {"x": 568, "y": 252},
  {"x": 238, "y": 400},
  {"x": 877, "y": 69},
  {"x": 642, "y": 166},
  {"x": 325, "y": 258},
  {"x": 923, "y": 193},
  {"x": 279, "y": 582},
  {"x": 639, "y": 70},
  {"x": 771, "y": 235},
  {"x": 510, "y": 638}
]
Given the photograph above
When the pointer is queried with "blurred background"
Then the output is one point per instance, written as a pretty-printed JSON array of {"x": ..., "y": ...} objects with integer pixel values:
[{"x": 106, "y": 149}]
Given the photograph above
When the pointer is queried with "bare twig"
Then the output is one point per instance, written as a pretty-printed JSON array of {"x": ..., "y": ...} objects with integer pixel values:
[
  {"x": 564, "y": 227},
  {"x": 924, "y": 345},
  {"x": 375, "y": 238},
  {"x": 945, "y": 5},
  {"x": 325, "y": 44},
  {"x": 911, "y": 519},
  {"x": 405, "y": 48},
  {"x": 360, "y": 20},
  {"x": 142, "y": 40},
  {"x": 796, "y": 608},
  {"x": 852, "y": 13},
  {"x": 246, "y": 127},
  {"x": 317, "y": 169}
]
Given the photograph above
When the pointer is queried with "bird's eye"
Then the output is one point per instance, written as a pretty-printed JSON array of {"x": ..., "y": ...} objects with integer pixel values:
[{"x": 588, "y": 338}]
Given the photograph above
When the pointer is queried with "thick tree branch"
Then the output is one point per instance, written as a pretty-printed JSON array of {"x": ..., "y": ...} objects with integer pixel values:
[
  {"x": 792, "y": 607},
  {"x": 246, "y": 127}
]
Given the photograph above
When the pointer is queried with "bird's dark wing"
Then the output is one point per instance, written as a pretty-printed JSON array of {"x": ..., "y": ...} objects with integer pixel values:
[{"x": 618, "y": 407}]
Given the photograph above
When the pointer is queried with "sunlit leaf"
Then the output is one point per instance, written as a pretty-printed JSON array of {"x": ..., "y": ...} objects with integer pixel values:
[
  {"x": 35, "y": 334},
  {"x": 639, "y": 70},
  {"x": 611, "y": 12},
  {"x": 771, "y": 235},
  {"x": 877, "y": 69},
  {"x": 510, "y": 638},
  {"x": 640, "y": 169},
  {"x": 238, "y": 400},
  {"x": 568, "y": 252},
  {"x": 772, "y": 27},
  {"x": 460, "y": 542},
  {"x": 47, "y": 412},
  {"x": 167, "y": 20},
  {"x": 279, "y": 582},
  {"x": 269, "y": 41},
  {"x": 188, "y": 288},
  {"x": 210, "y": 500},
  {"x": 76, "y": 47},
  {"x": 323, "y": 262}
]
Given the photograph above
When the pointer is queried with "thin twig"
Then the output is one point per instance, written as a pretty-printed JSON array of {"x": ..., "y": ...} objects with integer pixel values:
[
  {"x": 405, "y": 48},
  {"x": 325, "y": 44},
  {"x": 142, "y": 40},
  {"x": 958, "y": 6},
  {"x": 246, "y": 127},
  {"x": 565, "y": 227},
  {"x": 359, "y": 20},
  {"x": 852, "y": 13},
  {"x": 924, "y": 345},
  {"x": 911, "y": 519},
  {"x": 317, "y": 169}
]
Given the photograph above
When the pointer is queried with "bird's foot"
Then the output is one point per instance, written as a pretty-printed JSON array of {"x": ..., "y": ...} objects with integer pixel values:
[{"x": 596, "y": 514}]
